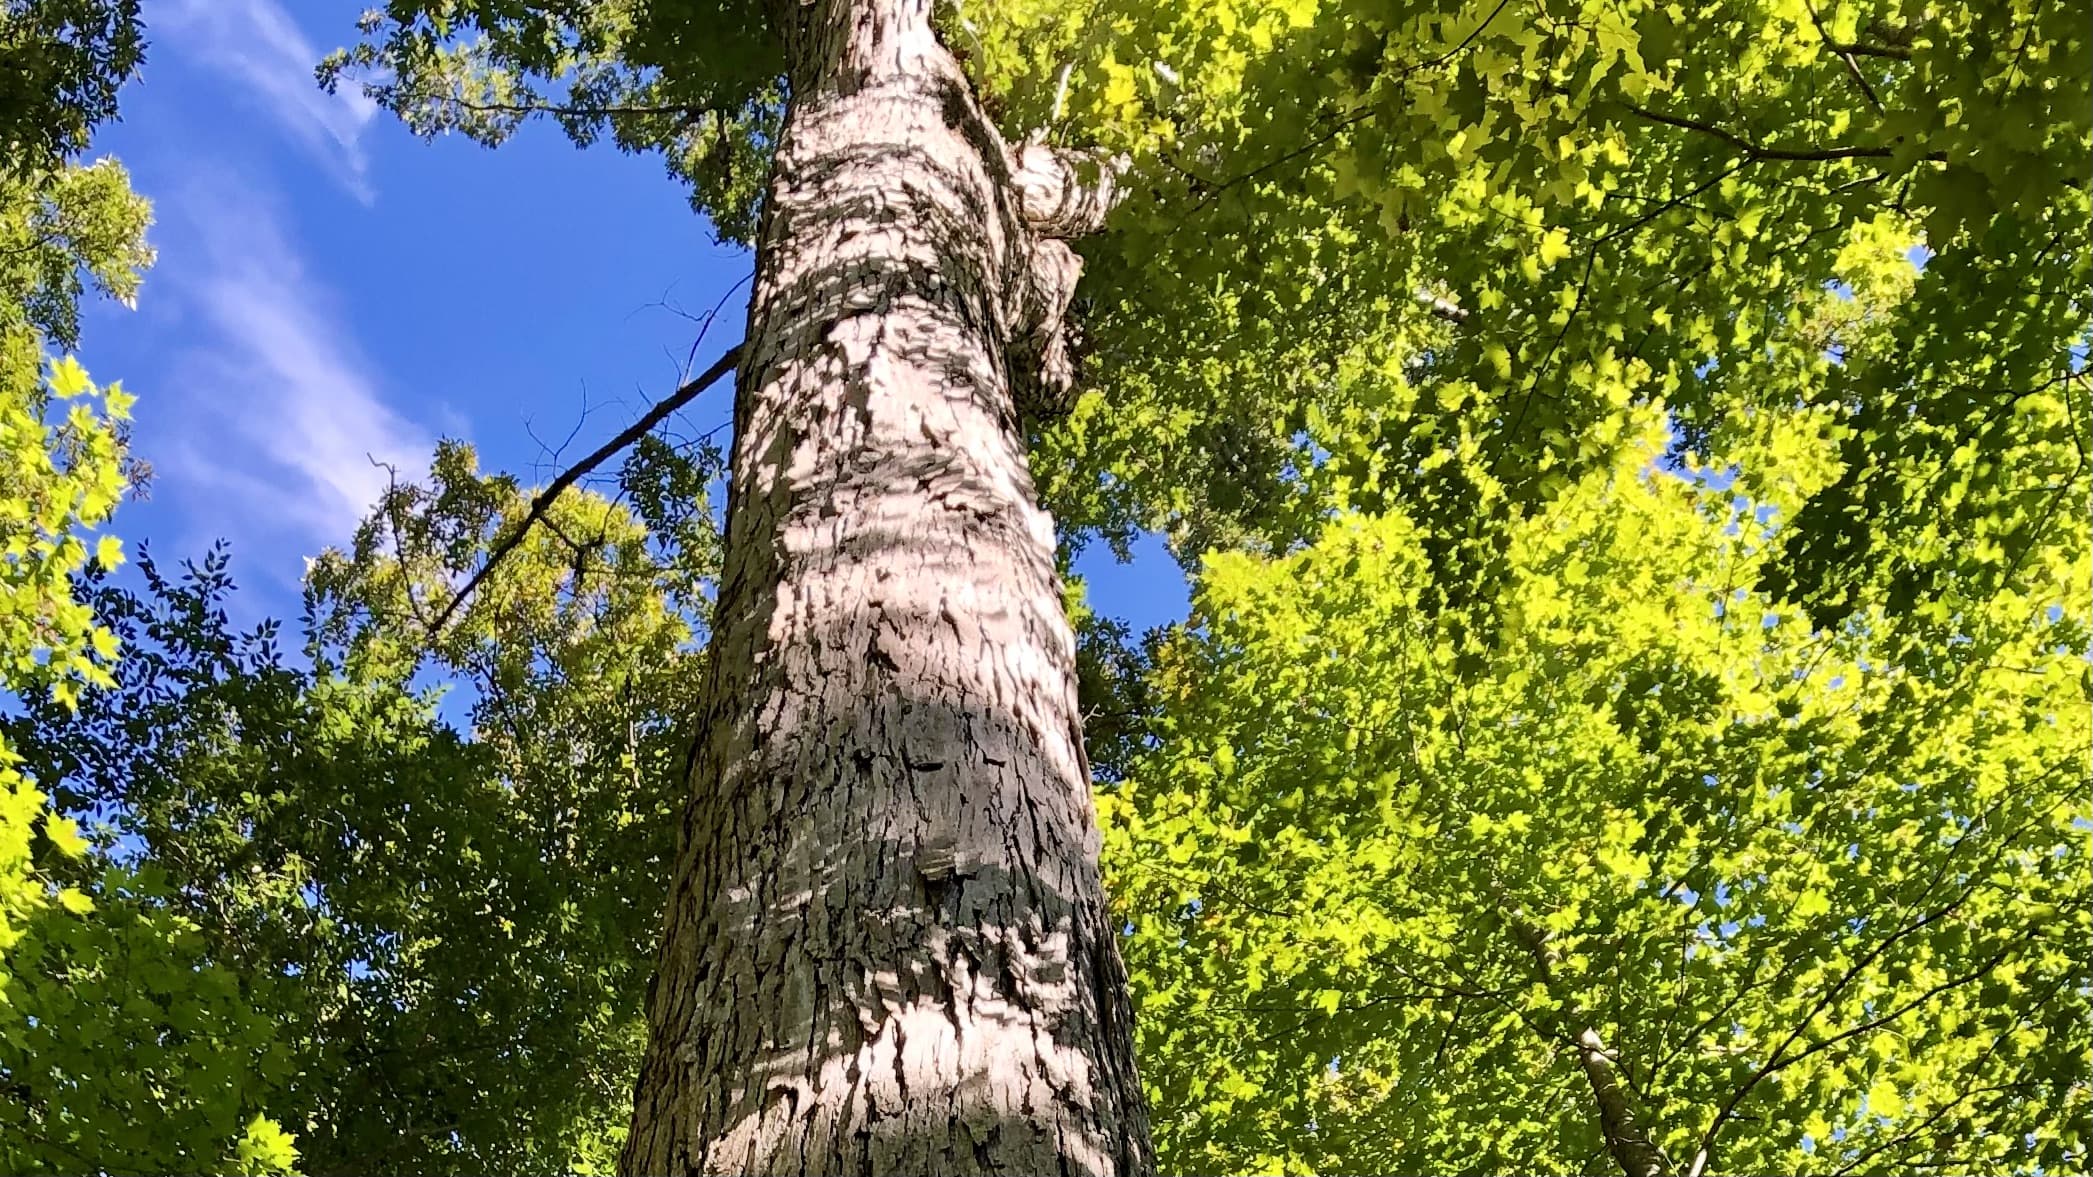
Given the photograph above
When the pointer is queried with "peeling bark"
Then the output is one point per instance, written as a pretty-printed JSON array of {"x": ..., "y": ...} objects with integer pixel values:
[{"x": 888, "y": 949}]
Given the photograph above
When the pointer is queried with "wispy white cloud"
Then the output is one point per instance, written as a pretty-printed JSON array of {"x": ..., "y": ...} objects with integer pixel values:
[
  {"x": 284, "y": 434},
  {"x": 256, "y": 44}
]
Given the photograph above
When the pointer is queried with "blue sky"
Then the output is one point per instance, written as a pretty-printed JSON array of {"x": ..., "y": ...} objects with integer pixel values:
[{"x": 332, "y": 291}]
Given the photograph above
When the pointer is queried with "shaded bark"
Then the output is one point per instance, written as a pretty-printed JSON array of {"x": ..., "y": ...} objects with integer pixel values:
[
  {"x": 888, "y": 949},
  {"x": 1627, "y": 1140}
]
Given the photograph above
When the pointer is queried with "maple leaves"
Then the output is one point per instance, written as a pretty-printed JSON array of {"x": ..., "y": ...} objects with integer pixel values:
[
  {"x": 109, "y": 1001},
  {"x": 1779, "y": 864}
]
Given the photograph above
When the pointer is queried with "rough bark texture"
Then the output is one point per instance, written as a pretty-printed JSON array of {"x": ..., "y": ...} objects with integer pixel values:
[{"x": 888, "y": 949}]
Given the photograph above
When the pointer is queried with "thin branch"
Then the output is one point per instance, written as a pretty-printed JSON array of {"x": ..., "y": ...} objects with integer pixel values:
[
  {"x": 2040, "y": 1002},
  {"x": 1880, "y": 1021},
  {"x": 1761, "y": 151},
  {"x": 542, "y": 501},
  {"x": 559, "y": 110},
  {"x": 1630, "y": 1142},
  {"x": 1351, "y": 118},
  {"x": 1775, "y": 1061},
  {"x": 1858, "y": 49},
  {"x": 703, "y": 321}
]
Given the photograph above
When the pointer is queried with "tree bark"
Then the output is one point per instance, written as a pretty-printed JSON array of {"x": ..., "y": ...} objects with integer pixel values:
[
  {"x": 1628, "y": 1140},
  {"x": 888, "y": 949}
]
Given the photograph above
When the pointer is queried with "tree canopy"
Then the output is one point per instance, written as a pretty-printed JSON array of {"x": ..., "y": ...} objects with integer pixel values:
[{"x": 1630, "y": 460}]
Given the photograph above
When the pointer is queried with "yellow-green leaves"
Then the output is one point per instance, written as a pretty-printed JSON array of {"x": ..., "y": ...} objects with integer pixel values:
[
  {"x": 64, "y": 834},
  {"x": 266, "y": 1149},
  {"x": 1617, "y": 851},
  {"x": 125, "y": 1046},
  {"x": 61, "y": 475},
  {"x": 1394, "y": 850},
  {"x": 1627, "y": 201}
]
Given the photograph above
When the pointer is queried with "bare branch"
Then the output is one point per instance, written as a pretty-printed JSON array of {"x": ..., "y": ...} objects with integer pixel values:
[
  {"x": 1853, "y": 69},
  {"x": 542, "y": 501},
  {"x": 1859, "y": 49}
]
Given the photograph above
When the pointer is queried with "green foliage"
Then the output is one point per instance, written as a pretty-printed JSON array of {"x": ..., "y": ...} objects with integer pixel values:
[
  {"x": 468, "y": 917},
  {"x": 1819, "y": 890},
  {"x": 61, "y": 234},
  {"x": 127, "y": 1044},
  {"x": 63, "y": 462},
  {"x": 1636, "y": 605},
  {"x": 698, "y": 82},
  {"x": 64, "y": 62},
  {"x": 1627, "y": 202},
  {"x": 112, "y": 1002},
  {"x": 60, "y": 477},
  {"x": 1429, "y": 786}
]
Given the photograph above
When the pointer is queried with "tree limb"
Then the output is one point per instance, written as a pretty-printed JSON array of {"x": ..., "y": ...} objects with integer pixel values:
[
  {"x": 1859, "y": 49},
  {"x": 1631, "y": 1144},
  {"x": 1761, "y": 151},
  {"x": 1777, "y": 1059},
  {"x": 1846, "y": 55},
  {"x": 1056, "y": 198},
  {"x": 542, "y": 501}
]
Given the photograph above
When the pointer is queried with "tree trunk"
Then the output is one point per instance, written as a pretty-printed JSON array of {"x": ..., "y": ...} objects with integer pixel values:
[
  {"x": 1628, "y": 1140},
  {"x": 888, "y": 949}
]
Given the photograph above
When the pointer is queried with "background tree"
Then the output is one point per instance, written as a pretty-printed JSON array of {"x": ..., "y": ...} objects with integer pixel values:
[
  {"x": 61, "y": 65},
  {"x": 465, "y": 914},
  {"x": 111, "y": 1002},
  {"x": 1662, "y": 880}
]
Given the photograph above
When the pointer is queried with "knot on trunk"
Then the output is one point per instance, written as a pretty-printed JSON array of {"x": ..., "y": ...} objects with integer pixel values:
[
  {"x": 1059, "y": 195},
  {"x": 1065, "y": 194},
  {"x": 1042, "y": 364}
]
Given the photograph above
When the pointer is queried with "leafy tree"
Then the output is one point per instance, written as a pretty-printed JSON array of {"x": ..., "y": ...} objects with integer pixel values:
[
  {"x": 1633, "y": 866},
  {"x": 1415, "y": 262},
  {"x": 111, "y": 1002},
  {"x": 889, "y": 719},
  {"x": 465, "y": 916},
  {"x": 61, "y": 65},
  {"x": 1617, "y": 202}
]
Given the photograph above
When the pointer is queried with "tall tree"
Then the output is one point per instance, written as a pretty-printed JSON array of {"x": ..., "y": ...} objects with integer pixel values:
[
  {"x": 888, "y": 948},
  {"x": 1366, "y": 243}
]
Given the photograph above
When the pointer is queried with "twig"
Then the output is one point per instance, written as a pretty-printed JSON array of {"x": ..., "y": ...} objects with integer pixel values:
[
  {"x": 1779, "y": 1058},
  {"x": 1760, "y": 151},
  {"x": 542, "y": 501},
  {"x": 1846, "y": 55}
]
